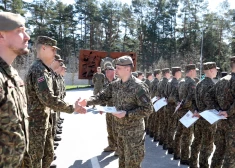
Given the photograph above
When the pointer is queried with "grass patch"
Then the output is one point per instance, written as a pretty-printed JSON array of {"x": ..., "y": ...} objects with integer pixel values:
[{"x": 68, "y": 87}]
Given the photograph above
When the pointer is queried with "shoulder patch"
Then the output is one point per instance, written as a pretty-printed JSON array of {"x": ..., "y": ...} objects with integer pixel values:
[
  {"x": 42, "y": 83},
  {"x": 41, "y": 79}
]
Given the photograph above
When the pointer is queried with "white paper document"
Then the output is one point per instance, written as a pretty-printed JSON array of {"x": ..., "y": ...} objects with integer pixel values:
[
  {"x": 211, "y": 116},
  {"x": 177, "y": 108},
  {"x": 159, "y": 104},
  {"x": 107, "y": 109},
  {"x": 187, "y": 120},
  {"x": 154, "y": 99}
]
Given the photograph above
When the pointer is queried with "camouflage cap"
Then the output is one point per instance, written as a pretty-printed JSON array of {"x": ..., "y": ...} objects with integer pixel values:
[
  {"x": 124, "y": 60},
  {"x": 157, "y": 71},
  {"x": 135, "y": 74},
  {"x": 109, "y": 68},
  {"x": 58, "y": 58},
  {"x": 166, "y": 70},
  {"x": 191, "y": 67},
  {"x": 10, "y": 21},
  {"x": 176, "y": 69},
  {"x": 47, "y": 41},
  {"x": 232, "y": 59},
  {"x": 209, "y": 65}
]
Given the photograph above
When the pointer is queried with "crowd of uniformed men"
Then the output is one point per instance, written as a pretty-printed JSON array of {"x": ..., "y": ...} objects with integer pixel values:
[{"x": 30, "y": 120}]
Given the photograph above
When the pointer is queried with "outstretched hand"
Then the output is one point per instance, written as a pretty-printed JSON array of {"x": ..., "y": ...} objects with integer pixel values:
[
  {"x": 82, "y": 102},
  {"x": 79, "y": 108},
  {"x": 120, "y": 114}
]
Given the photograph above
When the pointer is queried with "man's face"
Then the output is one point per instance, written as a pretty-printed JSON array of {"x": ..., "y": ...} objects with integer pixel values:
[
  {"x": 214, "y": 72},
  {"x": 194, "y": 73},
  {"x": 140, "y": 77},
  {"x": 98, "y": 70},
  {"x": 48, "y": 52},
  {"x": 150, "y": 77},
  {"x": 168, "y": 75},
  {"x": 16, "y": 40},
  {"x": 121, "y": 71},
  {"x": 178, "y": 74},
  {"x": 109, "y": 73},
  {"x": 55, "y": 65}
]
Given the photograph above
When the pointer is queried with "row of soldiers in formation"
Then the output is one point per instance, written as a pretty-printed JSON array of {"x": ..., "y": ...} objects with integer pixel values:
[
  {"x": 196, "y": 96},
  {"x": 164, "y": 126},
  {"x": 29, "y": 111}
]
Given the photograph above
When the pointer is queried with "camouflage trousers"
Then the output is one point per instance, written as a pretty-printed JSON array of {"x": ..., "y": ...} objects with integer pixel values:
[
  {"x": 172, "y": 125},
  {"x": 224, "y": 155},
  {"x": 53, "y": 120},
  {"x": 203, "y": 143},
  {"x": 151, "y": 122},
  {"x": 97, "y": 89},
  {"x": 183, "y": 138},
  {"x": 41, "y": 147},
  {"x": 131, "y": 146},
  {"x": 156, "y": 121},
  {"x": 112, "y": 135},
  {"x": 162, "y": 125}
]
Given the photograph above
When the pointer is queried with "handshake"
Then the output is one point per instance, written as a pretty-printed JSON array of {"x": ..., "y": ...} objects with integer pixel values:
[{"x": 80, "y": 105}]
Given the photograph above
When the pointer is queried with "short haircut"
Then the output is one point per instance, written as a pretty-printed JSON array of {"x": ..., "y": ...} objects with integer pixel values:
[{"x": 139, "y": 73}]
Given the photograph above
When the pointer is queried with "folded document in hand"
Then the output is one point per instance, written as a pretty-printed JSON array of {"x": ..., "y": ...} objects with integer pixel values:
[
  {"x": 159, "y": 104},
  {"x": 211, "y": 116},
  {"x": 187, "y": 120}
]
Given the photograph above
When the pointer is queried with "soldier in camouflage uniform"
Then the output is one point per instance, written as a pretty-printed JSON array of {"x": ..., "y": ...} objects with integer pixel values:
[
  {"x": 149, "y": 76},
  {"x": 183, "y": 135},
  {"x": 221, "y": 97},
  {"x": 112, "y": 135},
  {"x": 132, "y": 107},
  {"x": 171, "y": 92},
  {"x": 98, "y": 81},
  {"x": 41, "y": 99},
  {"x": 153, "y": 89},
  {"x": 161, "y": 116},
  {"x": 203, "y": 130},
  {"x": 13, "y": 103},
  {"x": 140, "y": 75}
]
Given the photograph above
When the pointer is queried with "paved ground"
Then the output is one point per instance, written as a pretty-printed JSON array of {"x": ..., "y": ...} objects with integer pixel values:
[{"x": 84, "y": 138}]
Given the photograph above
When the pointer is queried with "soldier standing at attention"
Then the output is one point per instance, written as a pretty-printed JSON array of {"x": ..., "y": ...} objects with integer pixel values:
[
  {"x": 98, "y": 81},
  {"x": 221, "y": 97},
  {"x": 153, "y": 88},
  {"x": 203, "y": 130},
  {"x": 148, "y": 80},
  {"x": 112, "y": 135},
  {"x": 131, "y": 98},
  {"x": 183, "y": 135},
  {"x": 13, "y": 103},
  {"x": 41, "y": 100},
  {"x": 172, "y": 94},
  {"x": 161, "y": 116}
]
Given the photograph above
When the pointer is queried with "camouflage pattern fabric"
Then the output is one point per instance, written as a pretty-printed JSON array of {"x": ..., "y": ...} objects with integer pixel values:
[
  {"x": 148, "y": 83},
  {"x": 221, "y": 97},
  {"x": 203, "y": 130},
  {"x": 41, "y": 99},
  {"x": 146, "y": 119},
  {"x": 162, "y": 119},
  {"x": 172, "y": 94},
  {"x": 183, "y": 137},
  {"x": 153, "y": 87},
  {"x": 13, "y": 118},
  {"x": 98, "y": 81},
  {"x": 130, "y": 129}
]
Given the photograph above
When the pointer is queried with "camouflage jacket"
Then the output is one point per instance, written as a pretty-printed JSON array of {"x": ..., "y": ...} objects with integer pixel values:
[
  {"x": 110, "y": 101},
  {"x": 153, "y": 87},
  {"x": 40, "y": 95},
  {"x": 222, "y": 95},
  {"x": 147, "y": 82},
  {"x": 131, "y": 96},
  {"x": 161, "y": 87},
  {"x": 13, "y": 115},
  {"x": 171, "y": 91},
  {"x": 98, "y": 80},
  {"x": 187, "y": 93},
  {"x": 201, "y": 89}
]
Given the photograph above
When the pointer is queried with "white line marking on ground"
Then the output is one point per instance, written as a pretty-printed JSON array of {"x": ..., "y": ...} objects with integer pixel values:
[{"x": 95, "y": 163}]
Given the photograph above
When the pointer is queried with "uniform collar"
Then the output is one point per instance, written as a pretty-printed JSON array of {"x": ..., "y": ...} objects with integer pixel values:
[{"x": 8, "y": 68}]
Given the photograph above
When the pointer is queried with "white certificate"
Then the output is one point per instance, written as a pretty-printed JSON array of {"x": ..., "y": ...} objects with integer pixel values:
[
  {"x": 154, "y": 99},
  {"x": 211, "y": 116},
  {"x": 107, "y": 109},
  {"x": 159, "y": 104},
  {"x": 187, "y": 120}
]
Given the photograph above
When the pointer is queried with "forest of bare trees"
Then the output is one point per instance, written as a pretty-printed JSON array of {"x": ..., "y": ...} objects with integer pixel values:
[{"x": 161, "y": 32}]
